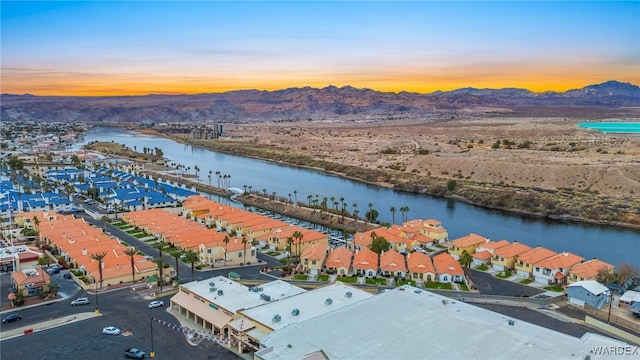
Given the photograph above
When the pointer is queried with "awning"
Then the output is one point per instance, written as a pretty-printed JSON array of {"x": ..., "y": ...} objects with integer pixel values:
[
  {"x": 234, "y": 275},
  {"x": 151, "y": 278},
  {"x": 202, "y": 310}
]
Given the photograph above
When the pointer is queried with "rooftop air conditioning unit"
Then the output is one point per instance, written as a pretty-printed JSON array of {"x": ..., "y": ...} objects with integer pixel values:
[
  {"x": 348, "y": 294},
  {"x": 220, "y": 292},
  {"x": 211, "y": 283},
  {"x": 276, "y": 318},
  {"x": 329, "y": 301},
  {"x": 267, "y": 297},
  {"x": 295, "y": 312},
  {"x": 212, "y": 289}
]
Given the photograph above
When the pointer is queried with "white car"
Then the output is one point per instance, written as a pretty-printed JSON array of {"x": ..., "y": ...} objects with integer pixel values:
[
  {"x": 111, "y": 331},
  {"x": 155, "y": 304}
]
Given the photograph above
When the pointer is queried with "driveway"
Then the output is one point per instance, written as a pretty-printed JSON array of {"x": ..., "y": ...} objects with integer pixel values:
[{"x": 488, "y": 284}]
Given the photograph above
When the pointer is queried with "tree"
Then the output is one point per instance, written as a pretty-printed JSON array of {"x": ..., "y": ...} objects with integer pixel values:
[
  {"x": 451, "y": 185},
  {"x": 371, "y": 215},
  {"x": 244, "y": 249},
  {"x": 226, "y": 245},
  {"x": 309, "y": 197},
  {"x": 393, "y": 215},
  {"x": 465, "y": 258},
  {"x": 289, "y": 248},
  {"x": 379, "y": 244},
  {"x": 297, "y": 235},
  {"x": 160, "y": 264},
  {"x": 99, "y": 257},
  {"x": 192, "y": 258},
  {"x": 131, "y": 252},
  {"x": 626, "y": 272},
  {"x": 209, "y": 177},
  {"x": 404, "y": 210},
  {"x": 295, "y": 196},
  {"x": 605, "y": 276}
]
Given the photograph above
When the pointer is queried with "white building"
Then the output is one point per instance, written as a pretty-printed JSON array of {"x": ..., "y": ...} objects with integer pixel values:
[{"x": 409, "y": 323}]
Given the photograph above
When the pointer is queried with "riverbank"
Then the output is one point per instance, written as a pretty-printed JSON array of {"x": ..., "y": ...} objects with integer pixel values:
[{"x": 564, "y": 204}]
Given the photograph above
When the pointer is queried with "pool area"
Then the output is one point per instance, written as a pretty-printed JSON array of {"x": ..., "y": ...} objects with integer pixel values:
[{"x": 613, "y": 127}]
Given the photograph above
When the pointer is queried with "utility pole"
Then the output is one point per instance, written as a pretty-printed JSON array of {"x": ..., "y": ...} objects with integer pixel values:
[
  {"x": 152, "y": 354},
  {"x": 610, "y": 303}
]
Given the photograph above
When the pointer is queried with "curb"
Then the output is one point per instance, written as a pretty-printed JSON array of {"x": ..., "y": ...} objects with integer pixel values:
[{"x": 46, "y": 325}]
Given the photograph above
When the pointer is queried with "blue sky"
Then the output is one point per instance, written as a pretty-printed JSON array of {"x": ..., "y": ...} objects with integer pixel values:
[{"x": 138, "y": 47}]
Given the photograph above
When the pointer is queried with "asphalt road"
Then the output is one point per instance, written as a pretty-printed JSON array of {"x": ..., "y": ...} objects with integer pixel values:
[
  {"x": 488, "y": 284},
  {"x": 84, "y": 339}
]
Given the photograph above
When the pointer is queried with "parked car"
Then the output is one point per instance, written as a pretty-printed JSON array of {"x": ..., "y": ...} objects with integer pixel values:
[
  {"x": 67, "y": 275},
  {"x": 111, "y": 330},
  {"x": 134, "y": 353},
  {"x": 616, "y": 288},
  {"x": 53, "y": 269},
  {"x": 11, "y": 318},
  {"x": 155, "y": 304},
  {"x": 80, "y": 301}
]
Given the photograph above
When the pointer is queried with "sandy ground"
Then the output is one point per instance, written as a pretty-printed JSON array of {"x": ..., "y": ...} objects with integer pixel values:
[{"x": 560, "y": 154}]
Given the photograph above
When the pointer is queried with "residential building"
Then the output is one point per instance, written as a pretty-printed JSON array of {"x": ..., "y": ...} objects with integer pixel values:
[
  {"x": 485, "y": 252},
  {"x": 31, "y": 281},
  {"x": 588, "y": 270},
  {"x": 392, "y": 263},
  {"x": 467, "y": 243},
  {"x": 554, "y": 269},
  {"x": 448, "y": 269},
  {"x": 365, "y": 263},
  {"x": 524, "y": 261},
  {"x": 421, "y": 268},
  {"x": 588, "y": 292},
  {"x": 629, "y": 298},
  {"x": 312, "y": 258},
  {"x": 504, "y": 258},
  {"x": 339, "y": 261}
]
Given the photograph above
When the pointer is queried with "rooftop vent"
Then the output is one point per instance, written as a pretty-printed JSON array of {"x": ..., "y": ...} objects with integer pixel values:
[
  {"x": 417, "y": 291},
  {"x": 295, "y": 312},
  {"x": 329, "y": 301},
  {"x": 348, "y": 294},
  {"x": 276, "y": 318},
  {"x": 445, "y": 302},
  {"x": 212, "y": 289},
  {"x": 511, "y": 322},
  {"x": 211, "y": 283},
  {"x": 220, "y": 292}
]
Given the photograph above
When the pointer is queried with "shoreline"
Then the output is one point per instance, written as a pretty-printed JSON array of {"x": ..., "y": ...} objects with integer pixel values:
[{"x": 398, "y": 187}]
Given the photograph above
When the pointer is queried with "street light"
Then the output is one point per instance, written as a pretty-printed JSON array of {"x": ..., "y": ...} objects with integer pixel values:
[
  {"x": 96, "y": 311},
  {"x": 152, "y": 354}
]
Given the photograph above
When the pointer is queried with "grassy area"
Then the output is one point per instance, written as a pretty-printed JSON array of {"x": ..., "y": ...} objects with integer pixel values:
[
  {"x": 440, "y": 286},
  {"x": 300, "y": 277},
  {"x": 526, "y": 281},
  {"x": 124, "y": 243},
  {"x": 117, "y": 223},
  {"x": 323, "y": 277},
  {"x": 140, "y": 235},
  {"x": 504, "y": 274},
  {"x": 348, "y": 279},
  {"x": 463, "y": 287},
  {"x": 376, "y": 281},
  {"x": 482, "y": 268},
  {"x": 132, "y": 231},
  {"x": 440, "y": 246},
  {"x": 554, "y": 288},
  {"x": 273, "y": 253}
]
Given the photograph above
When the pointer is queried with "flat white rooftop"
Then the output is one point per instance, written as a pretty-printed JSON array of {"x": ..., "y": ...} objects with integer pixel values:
[
  {"x": 407, "y": 323},
  {"x": 305, "y": 306},
  {"x": 234, "y": 296}
]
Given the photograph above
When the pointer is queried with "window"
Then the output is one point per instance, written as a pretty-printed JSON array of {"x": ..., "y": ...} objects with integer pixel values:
[
  {"x": 546, "y": 271},
  {"x": 208, "y": 251},
  {"x": 239, "y": 255},
  {"x": 537, "y": 269},
  {"x": 313, "y": 262}
]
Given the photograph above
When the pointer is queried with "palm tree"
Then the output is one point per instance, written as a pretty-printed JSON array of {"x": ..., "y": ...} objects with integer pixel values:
[
  {"x": 309, "y": 198},
  {"x": 36, "y": 223},
  {"x": 250, "y": 188},
  {"x": 160, "y": 264},
  {"x": 264, "y": 191},
  {"x": 355, "y": 208},
  {"x": 209, "y": 177},
  {"x": 244, "y": 249},
  {"x": 131, "y": 252},
  {"x": 192, "y": 258},
  {"x": 295, "y": 195},
  {"x": 289, "y": 248},
  {"x": 218, "y": 176},
  {"x": 226, "y": 244},
  {"x": 289, "y": 197},
  {"x": 393, "y": 215},
  {"x": 176, "y": 256},
  {"x": 99, "y": 257},
  {"x": 298, "y": 236}
]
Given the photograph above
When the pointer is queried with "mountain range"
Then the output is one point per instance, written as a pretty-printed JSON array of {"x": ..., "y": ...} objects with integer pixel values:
[{"x": 303, "y": 103}]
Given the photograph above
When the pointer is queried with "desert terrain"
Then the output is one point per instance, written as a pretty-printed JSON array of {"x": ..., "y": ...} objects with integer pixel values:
[{"x": 553, "y": 166}]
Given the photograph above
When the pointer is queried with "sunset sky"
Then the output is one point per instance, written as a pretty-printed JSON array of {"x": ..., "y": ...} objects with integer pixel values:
[{"x": 141, "y": 47}]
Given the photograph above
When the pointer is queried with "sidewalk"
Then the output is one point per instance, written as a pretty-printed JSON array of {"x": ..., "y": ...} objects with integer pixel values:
[{"x": 46, "y": 325}]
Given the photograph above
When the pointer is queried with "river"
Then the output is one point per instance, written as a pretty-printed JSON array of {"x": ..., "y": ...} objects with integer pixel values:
[{"x": 611, "y": 244}]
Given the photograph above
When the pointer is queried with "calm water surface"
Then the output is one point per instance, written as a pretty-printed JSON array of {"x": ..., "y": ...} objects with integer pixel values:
[{"x": 610, "y": 244}]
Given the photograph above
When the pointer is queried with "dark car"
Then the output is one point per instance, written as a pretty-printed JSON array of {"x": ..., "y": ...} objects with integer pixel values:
[
  {"x": 11, "y": 318},
  {"x": 616, "y": 288},
  {"x": 67, "y": 275},
  {"x": 53, "y": 270},
  {"x": 134, "y": 353}
]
